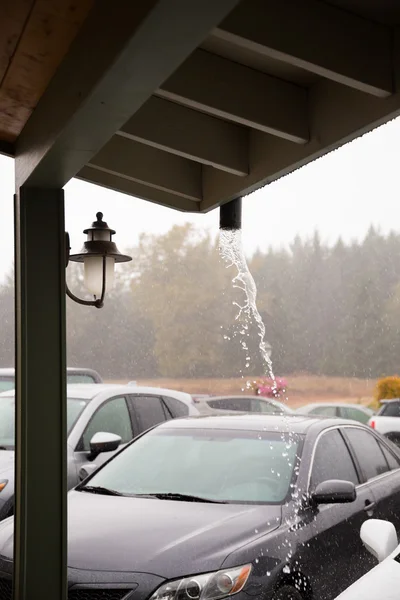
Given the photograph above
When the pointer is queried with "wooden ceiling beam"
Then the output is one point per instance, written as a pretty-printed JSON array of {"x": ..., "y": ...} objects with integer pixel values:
[
  {"x": 139, "y": 190},
  {"x": 150, "y": 166},
  {"x": 315, "y": 36},
  {"x": 225, "y": 89},
  {"x": 338, "y": 114},
  {"x": 37, "y": 35},
  {"x": 115, "y": 63},
  {"x": 190, "y": 134}
]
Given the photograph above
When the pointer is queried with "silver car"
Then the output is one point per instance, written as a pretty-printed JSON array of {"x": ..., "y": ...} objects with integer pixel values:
[
  {"x": 355, "y": 412},
  {"x": 245, "y": 404},
  {"x": 74, "y": 375},
  {"x": 101, "y": 419}
]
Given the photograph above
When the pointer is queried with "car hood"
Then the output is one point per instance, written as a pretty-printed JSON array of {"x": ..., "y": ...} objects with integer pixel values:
[
  {"x": 6, "y": 462},
  {"x": 163, "y": 537}
]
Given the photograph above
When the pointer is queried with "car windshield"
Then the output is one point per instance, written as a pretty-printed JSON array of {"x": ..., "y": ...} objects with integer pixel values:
[
  {"x": 219, "y": 465},
  {"x": 7, "y": 418},
  {"x": 391, "y": 409}
]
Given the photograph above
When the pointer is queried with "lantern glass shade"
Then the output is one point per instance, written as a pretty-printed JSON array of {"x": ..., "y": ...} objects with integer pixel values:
[{"x": 93, "y": 274}]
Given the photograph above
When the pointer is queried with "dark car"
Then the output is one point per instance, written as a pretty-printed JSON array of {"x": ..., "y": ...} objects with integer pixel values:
[
  {"x": 206, "y": 508},
  {"x": 74, "y": 375}
]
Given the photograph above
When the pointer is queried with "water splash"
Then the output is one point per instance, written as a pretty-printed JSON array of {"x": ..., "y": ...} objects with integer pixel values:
[{"x": 231, "y": 251}]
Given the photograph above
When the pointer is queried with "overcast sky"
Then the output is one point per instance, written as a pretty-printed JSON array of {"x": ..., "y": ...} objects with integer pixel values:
[{"x": 341, "y": 194}]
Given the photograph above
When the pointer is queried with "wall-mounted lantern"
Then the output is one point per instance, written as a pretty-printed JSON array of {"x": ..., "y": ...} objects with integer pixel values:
[{"x": 98, "y": 255}]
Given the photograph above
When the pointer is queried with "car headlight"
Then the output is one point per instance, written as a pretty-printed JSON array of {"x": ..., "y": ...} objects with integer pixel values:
[
  {"x": 209, "y": 586},
  {"x": 3, "y": 484}
]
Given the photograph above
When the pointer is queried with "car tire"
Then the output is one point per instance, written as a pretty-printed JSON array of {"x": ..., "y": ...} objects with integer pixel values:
[{"x": 287, "y": 592}]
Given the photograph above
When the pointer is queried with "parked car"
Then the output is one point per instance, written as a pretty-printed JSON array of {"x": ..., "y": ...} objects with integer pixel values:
[
  {"x": 355, "y": 412},
  {"x": 383, "y": 581},
  {"x": 387, "y": 420},
  {"x": 94, "y": 413},
  {"x": 201, "y": 397},
  {"x": 206, "y": 508},
  {"x": 246, "y": 404},
  {"x": 74, "y": 375}
]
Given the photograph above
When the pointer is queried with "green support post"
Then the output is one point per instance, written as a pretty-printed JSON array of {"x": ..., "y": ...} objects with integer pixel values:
[{"x": 40, "y": 536}]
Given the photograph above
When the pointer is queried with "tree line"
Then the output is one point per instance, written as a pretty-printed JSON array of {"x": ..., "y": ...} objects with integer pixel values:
[{"x": 328, "y": 310}]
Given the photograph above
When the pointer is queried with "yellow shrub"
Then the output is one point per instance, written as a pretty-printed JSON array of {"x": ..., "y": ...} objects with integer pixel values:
[{"x": 387, "y": 388}]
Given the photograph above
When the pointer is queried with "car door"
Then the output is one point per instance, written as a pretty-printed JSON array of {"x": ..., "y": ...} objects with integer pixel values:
[
  {"x": 148, "y": 410},
  {"x": 331, "y": 553},
  {"x": 112, "y": 416},
  {"x": 380, "y": 468}
]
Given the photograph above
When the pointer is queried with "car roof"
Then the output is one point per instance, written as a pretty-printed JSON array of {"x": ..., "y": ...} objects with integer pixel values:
[
  {"x": 389, "y": 400},
  {"x": 89, "y": 391},
  {"x": 241, "y": 397},
  {"x": 300, "y": 424},
  {"x": 11, "y": 370}
]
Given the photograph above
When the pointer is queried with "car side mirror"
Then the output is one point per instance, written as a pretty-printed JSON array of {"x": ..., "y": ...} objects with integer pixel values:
[
  {"x": 379, "y": 537},
  {"x": 334, "y": 491},
  {"x": 103, "y": 442}
]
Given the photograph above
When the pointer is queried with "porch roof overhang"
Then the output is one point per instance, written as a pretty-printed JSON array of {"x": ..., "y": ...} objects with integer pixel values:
[{"x": 190, "y": 103}]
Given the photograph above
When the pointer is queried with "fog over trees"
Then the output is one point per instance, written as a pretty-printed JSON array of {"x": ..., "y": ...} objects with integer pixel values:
[{"x": 328, "y": 310}]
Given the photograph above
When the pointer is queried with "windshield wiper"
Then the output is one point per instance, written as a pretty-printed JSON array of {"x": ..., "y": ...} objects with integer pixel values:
[
  {"x": 93, "y": 489},
  {"x": 180, "y": 497}
]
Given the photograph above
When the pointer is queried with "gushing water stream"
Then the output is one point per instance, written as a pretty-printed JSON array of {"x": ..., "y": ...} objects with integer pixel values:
[{"x": 231, "y": 251}]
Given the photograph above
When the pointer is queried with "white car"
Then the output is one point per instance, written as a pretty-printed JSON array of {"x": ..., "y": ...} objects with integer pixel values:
[
  {"x": 382, "y": 582},
  {"x": 387, "y": 420},
  {"x": 101, "y": 419}
]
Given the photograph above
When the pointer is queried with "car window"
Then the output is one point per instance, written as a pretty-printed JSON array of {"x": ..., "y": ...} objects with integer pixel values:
[
  {"x": 149, "y": 411},
  {"x": 74, "y": 408},
  {"x": 391, "y": 409},
  {"x": 239, "y": 404},
  {"x": 7, "y": 422},
  {"x": 368, "y": 452},
  {"x": 393, "y": 462},
  {"x": 7, "y": 384},
  {"x": 80, "y": 379},
  {"x": 112, "y": 417},
  {"x": 261, "y": 406},
  {"x": 332, "y": 460},
  {"x": 176, "y": 407},
  {"x": 328, "y": 411},
  {"x": 349, "y": 412}
]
